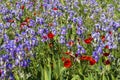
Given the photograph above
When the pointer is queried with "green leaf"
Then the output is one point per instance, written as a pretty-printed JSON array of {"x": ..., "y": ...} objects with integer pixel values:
[
  {"x": 75, "y": 77},
  {"x": 16, "y": 77}
]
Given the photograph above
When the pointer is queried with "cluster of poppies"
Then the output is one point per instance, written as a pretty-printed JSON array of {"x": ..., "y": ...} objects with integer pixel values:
[{"x": 26, "y": 23}]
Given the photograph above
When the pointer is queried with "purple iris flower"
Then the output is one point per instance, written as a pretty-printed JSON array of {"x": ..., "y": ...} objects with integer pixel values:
[
  {"x": 95, "y": 55},
  {"x": 14, "y": 25},
  {"x": 24, "y": 63},
  {"x": 54, "y": 31},
  {"x": 30, "y": 5},
  {"x": 5, "y": 57},
  {"x": 12, "y": 54},
  {"x": 30, "y": 31},
  {"x": 76, "y": 4},
  {"x": 18, "y": 5},
  {"x": 32, "y": 23},
  {"x": 12, "y": 43},
  {"x": 79, "y": 31},
  {"x": 34, "y": 41},
  {"x": 49, "y": 6},
  {"x": 23, "y": 34},
  {"x": 11, "y": 76},
  {"x": 118, "y": 37},
  {"x": 17, "y": 62},
  {"x": 44, "y": 37},
  {"x": 28, "y": 60},
  {"x": 116, "y": 25},
  {"x": 9, "y": 66},
  {"x": 13, "y": 12},
  {"x": 103, "y": 16},
  {"x": 45, "y": 6},
  {"x": 63, "y": 30},
  {"x": 20, "y": 13},
  {"x": 5, "y": 11},
  {"x": 96, "y": 58},
  {"x": 85, "y": 10},
  {"x": 19, "y": 48},
  {"x": 71, "y": 14},
  {"x": 1, "y": 31},
  {"x": 59, "y": 14},
  {"x": 40, "y": 20},
  {"x": 62, "y": 40},
  {"x": 99, "y": 50},
  {"x": 40, "y": 31},
  {"x": 27, "y": 43},
  {"x": 69, "y": 26},
  {"x": 80, "y": 49},
  {"x": 83, "y": 50},
  {"x": 6, "y": 37},
  {"x": 110, "y": 8},
  {"x": 1, "y": 26},
  {"x": 97, "y": 26},
  {"x": 52, "y": 13},
  {"x": 46, "y": 30},
  {"x": 75, "y": 20},
  {"x": 7, "y": 25},
  {"x": 92, "y": 1},
  {"x": 46, "y": 1},
  {"x": 3, "y": 74},
  {"x": 21, "y": 63},
  {"x": 80, "y": 20},
  {"x": 55, "y": 23}
]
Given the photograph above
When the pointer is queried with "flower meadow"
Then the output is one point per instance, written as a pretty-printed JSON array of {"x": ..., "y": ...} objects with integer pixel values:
[{"x": 59, "y": 39}]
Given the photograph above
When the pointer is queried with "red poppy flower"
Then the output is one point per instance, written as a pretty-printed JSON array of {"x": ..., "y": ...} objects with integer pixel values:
[
  {"x": 110, "y": 32},
  {"x": 67, "y": 52},
  {"x": 27, "y": 19},
  {"x": 107, "y": 47},
  {"x": 76, "y": 55},
  {"x": 88, "y": 58},
  {"x": 50, "y": 35},
  {"x": 85, "y": 58},
  {"x": 92, "y": 61},
  {"x": 71, "y": 43},
  {"x": 22, "y": 25},
  {"x": 88, "y": 41},
  {"x": 50, "y": 24},
  {"x": 55, "y": 8},
  {"x": 103, "y": 38},
  {"x": 63, "y": 59},
  {"x": 105, "y": 54},
  {"x": 67, "y": 63},
  {"x": 11, "y": 20},
  {"x": 90, "y": 38},
  {"x": 107, "y": 62},
  {"x": 22, "y": 7}
]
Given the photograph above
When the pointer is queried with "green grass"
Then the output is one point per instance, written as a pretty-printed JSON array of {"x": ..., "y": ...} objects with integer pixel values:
[{"x": 48, "y": 65}]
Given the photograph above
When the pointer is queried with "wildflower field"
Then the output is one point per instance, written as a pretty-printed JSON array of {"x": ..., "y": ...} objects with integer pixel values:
[{"x": 59, "y": 39}]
